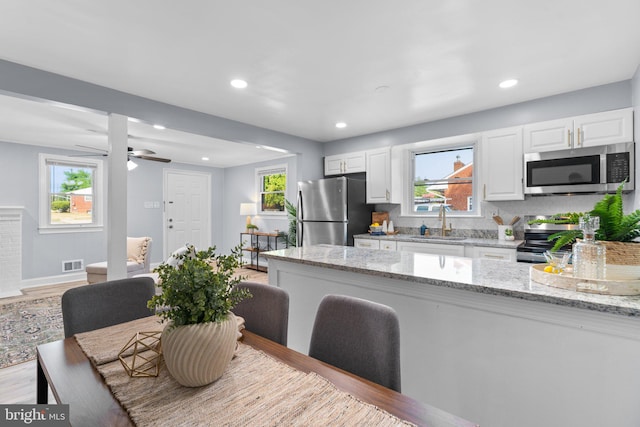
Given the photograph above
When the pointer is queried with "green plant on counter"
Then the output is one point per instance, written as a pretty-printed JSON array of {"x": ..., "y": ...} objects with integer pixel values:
[
  {"x": 292, "y": 212},
  {"x": 201, "y": 288},
  {"x": 615, "y": 226}
]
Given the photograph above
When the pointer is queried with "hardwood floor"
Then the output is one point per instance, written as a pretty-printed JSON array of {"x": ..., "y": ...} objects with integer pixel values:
[{"x": 18, "y": 382}]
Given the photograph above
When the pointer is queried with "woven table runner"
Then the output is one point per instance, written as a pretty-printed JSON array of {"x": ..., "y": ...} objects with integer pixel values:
[{"x": 255, "y": 390}]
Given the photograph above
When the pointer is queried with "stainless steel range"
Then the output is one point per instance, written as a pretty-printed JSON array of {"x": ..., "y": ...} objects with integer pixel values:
[{"x": 535, "y": 239}]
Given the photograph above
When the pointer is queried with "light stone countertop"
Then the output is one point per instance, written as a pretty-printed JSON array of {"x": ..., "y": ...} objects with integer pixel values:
[
  {"x": 460, "y": 241},
  {"x": 485, "y": 276}
]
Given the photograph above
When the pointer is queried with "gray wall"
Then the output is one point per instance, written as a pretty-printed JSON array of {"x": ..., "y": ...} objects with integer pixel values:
[
  {"x": 240, "y": 187},
  {"x": 601, "y": 98},
  {"x": 230, "y": 187},
  {"x": 43, "y": 253},
  {"x": 596, "y": 99}
]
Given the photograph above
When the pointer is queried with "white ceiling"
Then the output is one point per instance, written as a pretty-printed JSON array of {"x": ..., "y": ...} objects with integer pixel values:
[
  {"x": 310, "y": 64},
  {"x": 57, "y": 125}
]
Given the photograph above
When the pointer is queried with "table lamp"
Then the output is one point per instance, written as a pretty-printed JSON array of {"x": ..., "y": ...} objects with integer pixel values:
[{"x": 248, "y": 209}]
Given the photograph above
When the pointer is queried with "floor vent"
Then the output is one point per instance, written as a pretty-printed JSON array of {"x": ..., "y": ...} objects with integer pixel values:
[{"x": 72, "y": 265}]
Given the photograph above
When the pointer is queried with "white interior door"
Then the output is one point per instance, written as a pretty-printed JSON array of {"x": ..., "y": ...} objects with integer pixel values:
[{"x": 187, "y": 210}]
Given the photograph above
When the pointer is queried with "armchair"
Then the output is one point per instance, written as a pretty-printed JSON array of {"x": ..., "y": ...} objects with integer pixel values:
[{"x": 138, "y": 260}]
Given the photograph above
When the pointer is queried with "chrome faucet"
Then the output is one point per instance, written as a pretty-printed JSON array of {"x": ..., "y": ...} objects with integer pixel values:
[{"x": 442, "y": 215}]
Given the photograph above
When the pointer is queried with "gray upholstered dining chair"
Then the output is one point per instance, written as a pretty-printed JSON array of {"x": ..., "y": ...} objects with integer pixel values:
[
  {"x": 267, "y": 312},
  {"x": 359, "y": 336},
  {"x": 99, "y": 305}
]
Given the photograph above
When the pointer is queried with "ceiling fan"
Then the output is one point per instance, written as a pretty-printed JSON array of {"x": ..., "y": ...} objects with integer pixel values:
[{"x": 143, "y": 154}]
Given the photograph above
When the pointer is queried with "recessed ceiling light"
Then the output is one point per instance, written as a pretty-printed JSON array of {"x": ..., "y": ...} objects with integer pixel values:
[
  {"x": 238, "y": 83},
  {"x": 341, "y": 125},
  {"x": 205, "y": 159},
  {"x": 508, "y": 83},
  {"x": 159, "y": 127}
]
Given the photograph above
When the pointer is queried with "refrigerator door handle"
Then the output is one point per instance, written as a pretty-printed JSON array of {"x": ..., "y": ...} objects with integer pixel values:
[{"x": 299, "y": 227}]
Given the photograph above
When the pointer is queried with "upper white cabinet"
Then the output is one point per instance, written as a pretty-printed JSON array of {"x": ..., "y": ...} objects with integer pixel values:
[
  {"x": 379, "y": 175},
  {"x": 610, "y": 127},
  {"x": 345, "y": 163},
  {"x": 502, "y": 164}
]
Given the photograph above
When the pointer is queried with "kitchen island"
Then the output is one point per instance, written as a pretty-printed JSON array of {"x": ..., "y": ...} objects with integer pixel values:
[{"x": 478, "y": 338}]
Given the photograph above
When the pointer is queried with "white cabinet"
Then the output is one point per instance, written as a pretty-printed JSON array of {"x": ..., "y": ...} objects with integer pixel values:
[
  {"x": 366, "y": 243},
  {"x": 345, "y": 163},
  {"x": 385, "y": 245},
  {"x": 610, "y": 127},
  {"x": 502, "y": 165},
  {"x": 487, "y": 252},
  {"x": 388, "y": 245},
  {"x": 502, "y": 254},
  {"x": 431, "y": 248},
  {"x": 379, "y": 175}
]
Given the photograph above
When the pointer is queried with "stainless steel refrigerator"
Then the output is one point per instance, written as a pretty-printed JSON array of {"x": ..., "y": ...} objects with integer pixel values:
[{"x": 331, "y": 211}]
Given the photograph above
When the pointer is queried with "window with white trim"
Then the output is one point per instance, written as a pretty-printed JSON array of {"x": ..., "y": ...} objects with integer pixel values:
[
  {"x": 443, "y": 178},
  {"x": 70, "y": 194},
  {"x": 272, "y": 187}
]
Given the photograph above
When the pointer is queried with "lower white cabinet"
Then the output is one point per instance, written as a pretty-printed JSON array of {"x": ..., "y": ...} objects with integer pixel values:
[
  {"x": 502, "y": 254},
  {"x": 386, "y": 245},
  {"x": 366, "y": 243},
  {"x": 431, "y": 248},
  {"x": 486, "y": 252}
]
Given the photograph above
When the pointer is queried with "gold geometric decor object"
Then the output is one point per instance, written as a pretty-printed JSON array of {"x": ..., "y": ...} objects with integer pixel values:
[{"x": 142, "y": 354}]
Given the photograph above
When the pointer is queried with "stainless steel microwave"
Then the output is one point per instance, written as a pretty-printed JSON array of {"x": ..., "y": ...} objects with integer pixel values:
[{"x": 598, "y": 169}]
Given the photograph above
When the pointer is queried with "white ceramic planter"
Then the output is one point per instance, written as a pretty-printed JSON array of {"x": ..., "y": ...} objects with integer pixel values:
[{"x": 197, "y": 355}]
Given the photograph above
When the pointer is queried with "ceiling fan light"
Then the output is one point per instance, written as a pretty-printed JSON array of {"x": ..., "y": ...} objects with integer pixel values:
[{"x": 131, "y": 165}]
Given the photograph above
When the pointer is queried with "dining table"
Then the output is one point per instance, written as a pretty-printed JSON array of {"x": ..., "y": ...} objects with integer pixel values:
[{"x": 75, "y": 379}]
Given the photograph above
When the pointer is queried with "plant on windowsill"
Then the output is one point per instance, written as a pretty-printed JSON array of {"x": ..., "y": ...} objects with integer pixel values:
[
  {"x": 618, "y": 232},
  {"x": 197, "y": 297}
]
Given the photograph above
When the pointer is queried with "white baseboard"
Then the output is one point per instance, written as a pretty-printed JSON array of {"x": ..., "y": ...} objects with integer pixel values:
[{"x": 53, "y": 280}]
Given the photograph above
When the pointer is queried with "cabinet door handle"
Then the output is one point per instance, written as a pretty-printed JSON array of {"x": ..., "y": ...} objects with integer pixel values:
[
  {"x": 484, "y": 192},
  {"x": 387, "y": 195},
  {"x": 569, "y": 138},
  {"x": 578, "y": 134}
]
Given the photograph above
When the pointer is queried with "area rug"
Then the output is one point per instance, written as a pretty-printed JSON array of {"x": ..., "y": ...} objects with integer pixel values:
[{"x": 27, "y": 324}]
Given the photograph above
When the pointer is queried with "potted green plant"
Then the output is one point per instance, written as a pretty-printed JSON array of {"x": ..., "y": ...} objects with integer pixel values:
[
  {"x": 252, "y": 228},
  {"x": 197, "y": 297},
  {"x": 617, "y": 231},
  {"x": 292, "y": 211}
]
